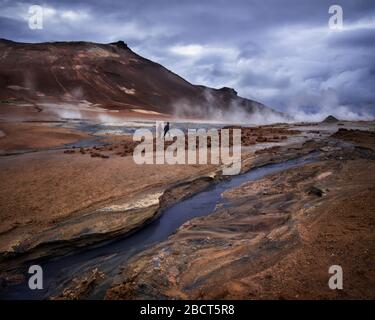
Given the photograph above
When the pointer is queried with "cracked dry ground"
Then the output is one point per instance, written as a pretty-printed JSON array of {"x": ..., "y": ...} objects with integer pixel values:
[{"x": 276, "y": 239}]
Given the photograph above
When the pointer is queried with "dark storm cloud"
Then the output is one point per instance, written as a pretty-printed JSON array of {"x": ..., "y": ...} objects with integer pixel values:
[
  {"x": 281, "y": 53},
  {"x": 363, "y": 38}
]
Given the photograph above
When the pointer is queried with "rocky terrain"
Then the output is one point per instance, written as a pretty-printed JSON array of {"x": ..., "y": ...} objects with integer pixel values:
[
  {"x": 56, "y": 204},
  {"x": 73, "y": 200},
  {"x": 276, "y": 237},
  {"x": 267, "y": 233}
]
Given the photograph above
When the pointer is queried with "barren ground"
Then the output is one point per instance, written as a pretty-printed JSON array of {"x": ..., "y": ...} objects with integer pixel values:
[{"x": 276, "y": 240}]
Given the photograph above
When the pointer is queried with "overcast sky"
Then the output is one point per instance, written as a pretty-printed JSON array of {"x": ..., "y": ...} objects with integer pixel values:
[{"x": 281, "y": 53}]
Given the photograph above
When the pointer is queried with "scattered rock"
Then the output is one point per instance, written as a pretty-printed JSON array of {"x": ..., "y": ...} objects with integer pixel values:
[
  {"x": 316, "y": 191},
  {"x": 80, "y": 287},
  {"x": 95, "y": 154},
  {"x": 11, "y": 279},
  {"x": 261, "y": 139}
]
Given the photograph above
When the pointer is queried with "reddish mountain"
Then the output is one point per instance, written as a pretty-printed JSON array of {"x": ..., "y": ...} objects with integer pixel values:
[{"x": 111, "y": 75}]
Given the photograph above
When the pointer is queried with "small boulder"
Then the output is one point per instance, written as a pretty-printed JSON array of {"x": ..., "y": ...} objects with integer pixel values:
[{"x": 316, "y": 191}]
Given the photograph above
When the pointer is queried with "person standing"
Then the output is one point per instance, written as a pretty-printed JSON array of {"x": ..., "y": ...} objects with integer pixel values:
[{"x": 166, "y": 129}]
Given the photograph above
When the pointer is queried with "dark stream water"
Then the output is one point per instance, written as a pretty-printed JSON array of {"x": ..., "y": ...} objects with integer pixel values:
[{"x": 111, "y": 255}]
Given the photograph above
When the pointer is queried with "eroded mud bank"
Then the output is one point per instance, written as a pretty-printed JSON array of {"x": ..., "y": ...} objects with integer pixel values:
[
  {"x": 275, "y": 237},
  {"x": 255, "y": 226},
  {"x": 141, "y": 211}
]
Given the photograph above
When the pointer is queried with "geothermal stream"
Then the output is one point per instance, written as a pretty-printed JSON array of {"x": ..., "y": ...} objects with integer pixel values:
[{"x": 109, "y": 257}]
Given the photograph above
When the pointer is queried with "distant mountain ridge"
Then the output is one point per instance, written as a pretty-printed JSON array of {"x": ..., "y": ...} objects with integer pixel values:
[{"x": 112, "y": 76}]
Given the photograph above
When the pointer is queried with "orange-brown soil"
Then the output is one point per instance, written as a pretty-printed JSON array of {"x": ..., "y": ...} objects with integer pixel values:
[
  {"x": 43, "y": 195},
  {"x": 253, "y": 135},
  {"x": 124, "y": 145},
  {"x": 276, "y": 239},
  {"x": 23, "y": 136}
]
